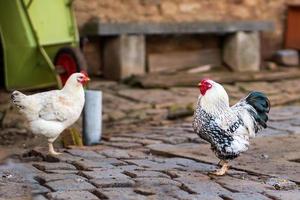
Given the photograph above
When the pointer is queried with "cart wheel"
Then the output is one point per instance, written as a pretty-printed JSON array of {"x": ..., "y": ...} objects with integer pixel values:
[{"x": 67, "y": 61}]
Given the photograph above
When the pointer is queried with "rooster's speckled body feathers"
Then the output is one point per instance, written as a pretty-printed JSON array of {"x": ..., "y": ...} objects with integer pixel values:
[{"x": 228, "y": 129}]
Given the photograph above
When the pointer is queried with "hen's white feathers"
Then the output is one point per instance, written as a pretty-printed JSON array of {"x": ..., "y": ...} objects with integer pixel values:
[{"x": 49, "y": 113}]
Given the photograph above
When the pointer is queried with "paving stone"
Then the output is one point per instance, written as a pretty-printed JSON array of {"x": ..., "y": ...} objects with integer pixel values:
[
  {"x": 133, "y": 139},
  {"x": 284, "y": 127},
  {"x": 175, "y": 192},
  {"x": 115, "y": 153},
  {"x": 43, "y": 178},
  {"x": 62, "y": 171},
  {"x": 238, "y": 185},
  {"x": 89, "y": 165},
  {"x": 191, "y": 165},
  {"x": 200, "y": 167},
  {"x": 245, "y": 196},
  {"x": 38, "y": 189},
  {"x": 72, "y": 195},
  {"x": 171, "y": 160},
  {"x": 200, "y": 185},
  {"x": 163, "y": 191},
  {"x": 124, "y": 145},
  {"x": 85, "y": 154},
  {"x": 112, "y": 102},
  {"x": 155, "y": 181},
  {"x": 112, "y": 182},
  {"x": 163, "y": 98},
  {"x": 295, "y": 122},
  {"x": 128, "y": 168},
  {"x": 281, "y": 184},
  {"x": 202, "y": 197},
  {"x": 143, "y": 174},
  {"x": 279, "y": 117},
  {"x": 69, "y": 184},
  {"x": 38, "y": 197},
  {"x": 187, "y": 175},
  {"x": 264, "y": 87},
  {"x": 104, "y": 173},
  {"x": 283, "y": 195},
  {"x": 45, "y": 166},
  {"x": 68, "y": 158},
  {"x": 153, "y": 165},
  {"x": 161, "y": 197},
  {"x": 101, "y": 163},
  {"x": 12, "y": 190},
  {"x": 271, "y": 132},
  {"x": 119, "y": 194},
  {"x": 145, "y": 190},
  {"x": 175, "y": 140}
]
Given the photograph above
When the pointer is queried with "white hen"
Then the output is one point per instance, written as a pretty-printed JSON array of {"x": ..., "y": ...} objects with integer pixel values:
[{"x": 49, "y": 113}]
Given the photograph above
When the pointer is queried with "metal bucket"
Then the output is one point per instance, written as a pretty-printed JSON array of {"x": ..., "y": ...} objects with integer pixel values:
[{"x": 92, "y": 117}]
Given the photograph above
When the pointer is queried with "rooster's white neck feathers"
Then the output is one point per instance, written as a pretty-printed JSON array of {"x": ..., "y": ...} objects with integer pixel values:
[{"x": 215, "y": 100}]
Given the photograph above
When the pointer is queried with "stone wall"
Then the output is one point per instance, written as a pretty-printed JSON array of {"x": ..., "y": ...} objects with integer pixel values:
[{"x": 188, "y": 10}]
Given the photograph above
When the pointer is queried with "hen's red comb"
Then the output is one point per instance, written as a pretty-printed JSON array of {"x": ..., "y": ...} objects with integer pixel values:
[{"x": 84, "y": 73}]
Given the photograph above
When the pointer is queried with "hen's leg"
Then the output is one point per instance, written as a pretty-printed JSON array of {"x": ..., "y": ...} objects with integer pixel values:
[
  {"x": 51, "y": 148},
  {"x": 224, "y": 168}
]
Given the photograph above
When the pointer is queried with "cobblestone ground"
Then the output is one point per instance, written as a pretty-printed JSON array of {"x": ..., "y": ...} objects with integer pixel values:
[
  {"x": 166, "y": 162},
  {"x": 143, "y": 155}
]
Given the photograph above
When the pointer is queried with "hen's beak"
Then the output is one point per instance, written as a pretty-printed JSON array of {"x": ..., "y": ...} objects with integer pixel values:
[
  {"x": 86, "y": 79},
  {"x": 199, "y": 84}
]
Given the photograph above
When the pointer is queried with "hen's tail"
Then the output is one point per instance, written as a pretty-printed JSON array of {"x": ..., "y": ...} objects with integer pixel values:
[
  {"x": 18, "y": 99},
  {"x": 261, "y": 104}
]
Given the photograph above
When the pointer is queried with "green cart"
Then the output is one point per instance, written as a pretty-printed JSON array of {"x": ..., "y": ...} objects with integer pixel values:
[{"x": 38, "y": 43}]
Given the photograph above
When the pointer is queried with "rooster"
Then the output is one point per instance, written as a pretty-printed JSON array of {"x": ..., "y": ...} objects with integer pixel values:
[
  {"x": 228, "y": 129},
  {"x": 49, "y": 113}
]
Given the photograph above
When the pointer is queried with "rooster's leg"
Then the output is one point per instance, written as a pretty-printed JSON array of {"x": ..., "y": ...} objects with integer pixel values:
[{"x": 223, "y": 170}]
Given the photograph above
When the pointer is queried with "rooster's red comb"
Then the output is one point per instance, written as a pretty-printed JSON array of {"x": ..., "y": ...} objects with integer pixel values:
[{"x": 204, "y": 80}]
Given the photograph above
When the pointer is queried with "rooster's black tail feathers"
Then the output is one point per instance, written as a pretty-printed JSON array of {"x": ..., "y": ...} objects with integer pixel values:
[{"x": 261, "y": 104}]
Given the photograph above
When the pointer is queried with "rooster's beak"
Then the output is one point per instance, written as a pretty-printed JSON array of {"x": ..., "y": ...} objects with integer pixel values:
[{"x": 199, "y": 84}]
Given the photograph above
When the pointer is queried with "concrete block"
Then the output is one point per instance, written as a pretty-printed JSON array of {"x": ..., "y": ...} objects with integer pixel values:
[
  {"x": 287, "y": 57},
  {"x": 241, "y": 51},
  {"x": 124, "y": 56}
]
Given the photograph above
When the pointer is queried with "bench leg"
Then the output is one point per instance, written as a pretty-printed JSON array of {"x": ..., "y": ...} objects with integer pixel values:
[
  {"x": 124, "y": 56},
  {"x": 241, "y": 51}
]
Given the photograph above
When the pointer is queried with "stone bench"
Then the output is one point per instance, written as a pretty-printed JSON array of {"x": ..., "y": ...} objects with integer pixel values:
[{"x": 124, "y": 50}]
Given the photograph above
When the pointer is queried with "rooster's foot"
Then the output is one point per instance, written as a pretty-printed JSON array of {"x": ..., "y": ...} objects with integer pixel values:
[{"x": 223, "y": 170}]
